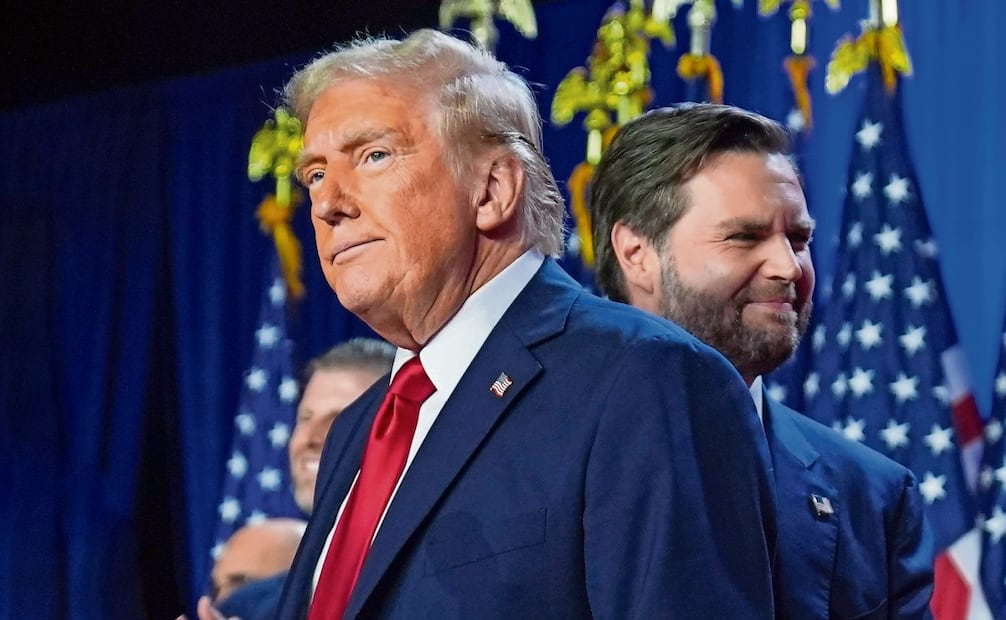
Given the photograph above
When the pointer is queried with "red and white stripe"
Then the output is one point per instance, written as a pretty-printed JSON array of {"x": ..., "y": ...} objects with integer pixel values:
[{"x": 957, "y": 594}]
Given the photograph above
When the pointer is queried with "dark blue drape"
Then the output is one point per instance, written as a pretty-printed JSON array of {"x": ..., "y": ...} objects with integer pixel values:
[
  {"x": 83, "y": 232},
  {"x": 131, "y": 267}
]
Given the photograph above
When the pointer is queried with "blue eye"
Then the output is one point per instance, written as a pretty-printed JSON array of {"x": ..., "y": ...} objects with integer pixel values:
[
  {"x": 313, "y": 177},
  {"x": 376, "y": 156}
]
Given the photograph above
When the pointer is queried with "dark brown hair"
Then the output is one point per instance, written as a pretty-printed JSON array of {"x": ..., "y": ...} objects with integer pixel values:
[{"x": 639, "y": 179}]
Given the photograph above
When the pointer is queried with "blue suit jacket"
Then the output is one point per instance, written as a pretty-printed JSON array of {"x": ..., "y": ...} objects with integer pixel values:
[
  {"x": 257, "y": 600},
  {"x": 622, "y": 475},
  {"x": 873, "y": 556}
]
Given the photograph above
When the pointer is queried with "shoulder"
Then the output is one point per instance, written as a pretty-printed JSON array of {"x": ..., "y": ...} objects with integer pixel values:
[
  {"x": 555, "y": 304},
  {"x": 858, "y": 465},
  {"x": 639, "y": 366},
  {"x": 254, "y": 600},
  {"x": 881, "y": 545},
  {"x": 621, "y": 323},
  {"x": 555, "y": 314},
  {"x": 879, "y": 495},
  {"x": 613, "y": 356},
  {"x": 633, "y": 346}
]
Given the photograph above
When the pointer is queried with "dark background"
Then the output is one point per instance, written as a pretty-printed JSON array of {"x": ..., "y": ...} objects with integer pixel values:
[{"x": 57, "y": 49}]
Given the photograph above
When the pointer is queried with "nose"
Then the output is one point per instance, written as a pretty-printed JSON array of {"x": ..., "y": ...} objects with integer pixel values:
[
  {"x": 318, "y": 431},
  {"x": 781, "y": 262},
  {"x": 308, "y": 432},
  {"x": 330, "y": 202},
  {"x": 306, "y": 436}
]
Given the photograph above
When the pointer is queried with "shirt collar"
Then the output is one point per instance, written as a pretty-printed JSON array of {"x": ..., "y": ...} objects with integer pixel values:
[
  {"x": 757, "y": 396},
  {"x": 451, "y": 350}
]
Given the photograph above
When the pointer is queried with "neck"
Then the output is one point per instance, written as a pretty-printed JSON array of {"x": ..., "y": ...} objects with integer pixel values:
[{"x": 414, "y": 331}]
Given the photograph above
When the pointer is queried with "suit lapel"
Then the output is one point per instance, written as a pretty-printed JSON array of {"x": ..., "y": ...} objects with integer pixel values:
[
  {"x": 468, "y": 417},
  {"x": 807, "y": 540}
]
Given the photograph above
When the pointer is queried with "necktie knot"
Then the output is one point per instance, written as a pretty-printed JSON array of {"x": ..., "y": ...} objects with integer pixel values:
[{"x": 411, "y": 382}]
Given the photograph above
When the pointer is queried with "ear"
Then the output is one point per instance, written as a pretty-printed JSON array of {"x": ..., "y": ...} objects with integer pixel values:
[
  {"x": 497, "y": 202},
  {"x": 640, "y": 266}
]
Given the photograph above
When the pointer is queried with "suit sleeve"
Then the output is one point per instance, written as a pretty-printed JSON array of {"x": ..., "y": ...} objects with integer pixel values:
[
  {"x": 911, "y": 556},
  {"x": 679, "y": 517}
]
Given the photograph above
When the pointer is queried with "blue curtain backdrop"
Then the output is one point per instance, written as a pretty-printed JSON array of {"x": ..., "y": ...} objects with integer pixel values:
[{"x": 130, "y": 274}]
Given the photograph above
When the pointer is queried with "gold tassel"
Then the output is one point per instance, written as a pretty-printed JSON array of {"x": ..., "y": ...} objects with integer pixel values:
[
  {"x": 578, "y": 184},
  {"x": 798, "y": 67},
  {"x": 692, "y": 67},
  {"x": 885, "y": 45},
  {"x": 274, "y": 219},
  {"x": 893, "y": 55}
]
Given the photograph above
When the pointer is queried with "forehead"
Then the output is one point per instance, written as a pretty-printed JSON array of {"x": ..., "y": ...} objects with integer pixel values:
[
  {"x": 241, "y": 551},
  {"x": 760, "y": 186},
  {"x": 357, "y": 105},
  {"x": 338, "y": 383}
]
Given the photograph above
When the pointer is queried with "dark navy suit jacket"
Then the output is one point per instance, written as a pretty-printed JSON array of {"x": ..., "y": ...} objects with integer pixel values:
[
  {"x": 257, "y": 600},
  {"x": 622, "y": 475},
  {"x": 872, "y": 557}
]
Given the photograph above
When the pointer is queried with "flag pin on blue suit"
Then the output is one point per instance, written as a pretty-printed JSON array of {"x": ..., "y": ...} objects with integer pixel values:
[
  {"x": 500, "y": 385},
  {"x": 822, "y": 505}
]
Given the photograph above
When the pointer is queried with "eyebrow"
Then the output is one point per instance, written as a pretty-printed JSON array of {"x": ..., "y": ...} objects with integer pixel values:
[
  {"x": 303, "y": 161},
  {"x": 744, "y": 223},
  {"x": 353, "y": 139}
]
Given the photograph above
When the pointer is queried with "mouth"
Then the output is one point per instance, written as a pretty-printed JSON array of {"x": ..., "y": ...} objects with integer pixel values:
[
  {"x": 779, "y": 304},
  {"x": 346, "y": 251},
  {"x": 308, "y": 465}
]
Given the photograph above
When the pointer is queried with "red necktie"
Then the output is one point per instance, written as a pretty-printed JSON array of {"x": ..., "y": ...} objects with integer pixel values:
[{"x": 383, "y": 461}]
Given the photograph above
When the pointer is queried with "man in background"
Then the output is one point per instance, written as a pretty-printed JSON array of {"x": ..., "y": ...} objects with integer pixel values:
[
  {"x": 255, "y": 552},
  {"x": 699, "y": 217},
  {"x": 331, "y": 382}
]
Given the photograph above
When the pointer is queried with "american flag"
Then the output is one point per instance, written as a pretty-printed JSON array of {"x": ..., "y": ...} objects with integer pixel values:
[
  {"x": 884, "y": 364},
  {"x": 501, "y": 384},
  {"x": 993, "y": 486},
  {"x": 257, "y": 483}
]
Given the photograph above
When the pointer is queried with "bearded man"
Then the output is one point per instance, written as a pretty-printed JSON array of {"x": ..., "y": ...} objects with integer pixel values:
[{"x": 699, "y": 216}]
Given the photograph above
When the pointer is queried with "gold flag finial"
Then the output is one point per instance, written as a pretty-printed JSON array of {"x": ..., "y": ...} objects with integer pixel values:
[
  {"x": 699, "y": 61},
  {"x": 798, "y": 64},
  {"x": 660, "y": 21},
  {"x": 771, "y": 7},
  {"x": 881, "y": 41},
  {"x": 274, "y": 151},
  {"x": 616, "y": 77},
  {"x": 482, "y": 13},
  {"x": 612, "y": 89}
]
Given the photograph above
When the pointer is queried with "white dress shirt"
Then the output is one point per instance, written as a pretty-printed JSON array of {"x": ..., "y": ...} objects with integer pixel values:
[{"x": 756, "y": 394}]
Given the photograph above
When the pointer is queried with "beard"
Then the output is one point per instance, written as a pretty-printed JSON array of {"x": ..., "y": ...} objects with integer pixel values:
[{"x": 754, "y": 349}]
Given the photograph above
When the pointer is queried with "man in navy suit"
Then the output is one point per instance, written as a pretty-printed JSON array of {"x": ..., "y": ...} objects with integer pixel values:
[
  {"x": 560, "y": 463},
  {"x": 699, "y": 216}
]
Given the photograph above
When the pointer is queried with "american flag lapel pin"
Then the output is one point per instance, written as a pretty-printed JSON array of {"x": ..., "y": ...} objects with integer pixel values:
[
  {"x": 822, "y": 505},
  {"x": 500, "y": 385}
]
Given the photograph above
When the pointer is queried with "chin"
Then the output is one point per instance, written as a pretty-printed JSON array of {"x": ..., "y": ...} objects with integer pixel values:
[
  {"x": 357, "y": 300},
  {"x": 304, "y": 501},
  {"x": 777, "y": 355}
]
